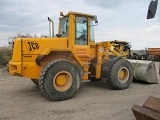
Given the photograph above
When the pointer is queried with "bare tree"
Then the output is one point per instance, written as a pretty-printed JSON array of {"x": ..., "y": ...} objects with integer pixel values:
[{"x": 27, "y": 35}]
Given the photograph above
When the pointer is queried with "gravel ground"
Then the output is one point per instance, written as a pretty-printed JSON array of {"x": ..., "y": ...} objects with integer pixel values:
[{"x": 20, "y": 99}]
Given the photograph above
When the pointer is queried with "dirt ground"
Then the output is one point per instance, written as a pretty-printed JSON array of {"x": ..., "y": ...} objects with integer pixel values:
[{"x": 20, "y": 99}]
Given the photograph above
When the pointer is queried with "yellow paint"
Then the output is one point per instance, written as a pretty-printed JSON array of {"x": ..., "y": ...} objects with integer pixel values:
[
  {"x": 61, "y": 80},
  {"x": 17, "y": 51},
  {"x": 15, "y": 68},
  {"x": 121, "y": 74}
]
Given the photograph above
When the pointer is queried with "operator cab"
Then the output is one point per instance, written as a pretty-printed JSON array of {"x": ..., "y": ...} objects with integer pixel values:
[{"x": 77, "y": 25}]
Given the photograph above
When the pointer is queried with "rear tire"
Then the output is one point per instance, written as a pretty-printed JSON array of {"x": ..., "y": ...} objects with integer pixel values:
[
  {"x": 121, "y": 75},
  {"x": 59, "y": 80}
]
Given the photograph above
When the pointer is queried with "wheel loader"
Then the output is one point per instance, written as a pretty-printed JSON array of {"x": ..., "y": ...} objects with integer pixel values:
[{"x": 58, "y": 63}]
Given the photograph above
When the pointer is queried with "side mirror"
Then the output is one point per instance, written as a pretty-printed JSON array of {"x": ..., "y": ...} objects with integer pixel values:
[
  {"x": 152, "y": 9},
  {"x": 95, "y": 19}
]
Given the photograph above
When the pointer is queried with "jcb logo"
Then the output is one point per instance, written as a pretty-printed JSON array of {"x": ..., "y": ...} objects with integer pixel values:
[{"x": 32, "y": 46}]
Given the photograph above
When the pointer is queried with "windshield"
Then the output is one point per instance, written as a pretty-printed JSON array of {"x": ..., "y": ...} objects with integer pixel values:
[{"x": 64, "y": 27}]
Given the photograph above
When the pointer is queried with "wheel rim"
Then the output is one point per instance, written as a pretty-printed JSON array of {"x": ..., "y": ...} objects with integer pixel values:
[
  {"x": 62, "y": 81},
  {"x": 123, "y": 74}
]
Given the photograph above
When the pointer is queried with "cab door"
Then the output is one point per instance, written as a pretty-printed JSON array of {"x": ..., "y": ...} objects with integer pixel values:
[{"x": 81, "y": 47}]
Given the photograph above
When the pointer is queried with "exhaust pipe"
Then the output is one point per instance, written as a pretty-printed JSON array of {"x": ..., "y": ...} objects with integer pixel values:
[
  {"x": 51, "y": 27},
  {"x": 145, "y": 71}
]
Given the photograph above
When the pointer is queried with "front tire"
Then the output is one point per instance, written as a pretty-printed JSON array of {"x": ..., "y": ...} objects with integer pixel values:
[
  {"x": 121, "y": 75},
  {"x": 59, "y": 80}
]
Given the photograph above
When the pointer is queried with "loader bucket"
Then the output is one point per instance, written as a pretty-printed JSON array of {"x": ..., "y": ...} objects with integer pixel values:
[
  {"x": 145, "y": 71},
  {"x": 150, "y": 110}
]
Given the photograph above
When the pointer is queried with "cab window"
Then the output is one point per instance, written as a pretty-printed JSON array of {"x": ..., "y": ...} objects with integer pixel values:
[
  {"x": 64, "y": 27},
  {"x": 92, "y": 36},
  {"x": 81, "y": 31}
]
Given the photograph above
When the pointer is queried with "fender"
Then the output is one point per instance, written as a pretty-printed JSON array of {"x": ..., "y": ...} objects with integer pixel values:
[{"x": 46, "y": 51}]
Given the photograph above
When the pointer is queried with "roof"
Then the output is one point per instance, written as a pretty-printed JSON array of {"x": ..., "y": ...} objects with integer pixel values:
[{"x": 78, "y": 13}]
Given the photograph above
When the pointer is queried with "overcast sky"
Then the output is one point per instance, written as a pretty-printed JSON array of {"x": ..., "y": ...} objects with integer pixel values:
[{"x": 118, "y": 19}]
